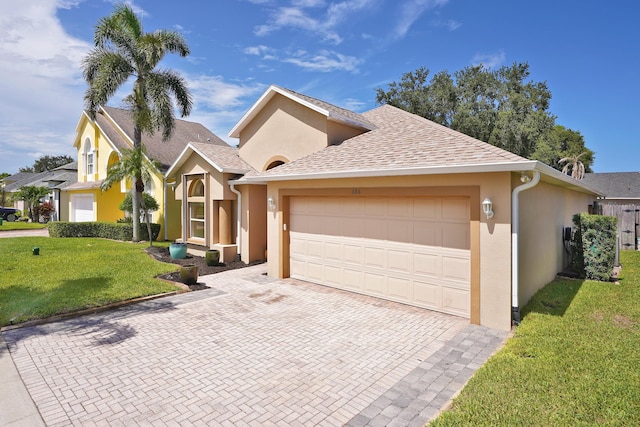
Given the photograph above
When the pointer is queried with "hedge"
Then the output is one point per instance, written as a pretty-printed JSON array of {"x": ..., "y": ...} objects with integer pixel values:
[
  {"x": 106, "y": 230},
  {"x": 594, "y": 246}
]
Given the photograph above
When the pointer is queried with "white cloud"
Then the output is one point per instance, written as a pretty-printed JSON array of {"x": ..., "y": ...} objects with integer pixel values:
[
  {"x": 40, "y": 81},
  {"x": 354, "y": 104},
  {"x": 213, "y": 93},
  {"x": 324, "y": 25},
  {"x": 489, "y": 60},
  {"x": 260, "y": 50},
  {"x": 324, "y": 61},
  {"x": 410, "y": 11},
  {"x": 219, "y": 104}
]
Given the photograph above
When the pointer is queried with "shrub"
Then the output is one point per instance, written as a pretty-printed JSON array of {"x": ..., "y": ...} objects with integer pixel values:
[
  {"x": 106, "y": 230},
  {"x": 594, "y": 246},
  {"x": 45, "y": 210}
]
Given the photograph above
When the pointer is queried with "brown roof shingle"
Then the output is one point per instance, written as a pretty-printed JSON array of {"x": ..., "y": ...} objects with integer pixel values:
[
  {"x": 226, "y": 158},
  {"x": 163, "y": 152},
  {"x": 401, "y": 140}
]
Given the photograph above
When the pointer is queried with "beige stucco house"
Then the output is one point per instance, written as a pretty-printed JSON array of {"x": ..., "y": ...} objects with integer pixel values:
[{"x": 383, "y": 203}]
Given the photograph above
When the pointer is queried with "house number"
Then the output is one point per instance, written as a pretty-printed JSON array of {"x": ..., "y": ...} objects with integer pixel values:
[{"x": 355, "y": 191}]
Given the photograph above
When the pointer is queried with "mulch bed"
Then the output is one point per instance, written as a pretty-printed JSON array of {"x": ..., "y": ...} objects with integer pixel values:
[{"x": 162, "y": 254}]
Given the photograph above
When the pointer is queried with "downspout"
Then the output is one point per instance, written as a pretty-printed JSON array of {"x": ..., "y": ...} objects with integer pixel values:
[
  {"x": 515, "y": 225},
  {"x": 232, "y": 186},
  {"x": 164, "y": 217}
]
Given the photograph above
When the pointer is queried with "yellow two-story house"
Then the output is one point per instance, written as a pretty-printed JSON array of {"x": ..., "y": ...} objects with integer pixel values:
[{"x": 100, "y": 143}]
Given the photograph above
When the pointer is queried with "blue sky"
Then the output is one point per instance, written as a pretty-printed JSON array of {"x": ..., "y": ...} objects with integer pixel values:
[{"x": 339, "y": 51}]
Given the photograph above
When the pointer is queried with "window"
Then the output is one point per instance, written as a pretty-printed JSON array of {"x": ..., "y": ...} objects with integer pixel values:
[
  {"x": 196, "y": 220},
  {"x": 88, "y": 156},
  {"x": 196, "y": 209}
]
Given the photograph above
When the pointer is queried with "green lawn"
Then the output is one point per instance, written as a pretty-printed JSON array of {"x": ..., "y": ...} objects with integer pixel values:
[
  {"x": 73, "y": 274},
  {"x": 574, "y": 360},
  {"x": 21, "y": 225}
]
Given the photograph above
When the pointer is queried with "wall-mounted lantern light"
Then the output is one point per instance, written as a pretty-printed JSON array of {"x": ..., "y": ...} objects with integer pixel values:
[
  {"x": 487, "y": 207},
  {"x": 271, "y": 204}
]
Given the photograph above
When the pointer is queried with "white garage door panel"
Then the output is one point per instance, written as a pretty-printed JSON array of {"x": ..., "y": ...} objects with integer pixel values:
[
  {"x": 82, "y": 208},
  {"x": 410, "y": 250}
]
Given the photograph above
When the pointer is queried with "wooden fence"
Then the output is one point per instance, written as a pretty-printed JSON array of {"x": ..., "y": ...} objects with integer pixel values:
[{"x": 628, "y": 222}]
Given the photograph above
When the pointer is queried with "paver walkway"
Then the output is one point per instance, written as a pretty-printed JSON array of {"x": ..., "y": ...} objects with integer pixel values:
[{"x": 250, "y": 351}]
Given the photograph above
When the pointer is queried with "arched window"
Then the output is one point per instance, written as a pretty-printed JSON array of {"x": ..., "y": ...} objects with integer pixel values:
[
  {"x": 196, "y": 188},
  {"x": 88, "y": 156},
  {"x": 275, "y": 164}
]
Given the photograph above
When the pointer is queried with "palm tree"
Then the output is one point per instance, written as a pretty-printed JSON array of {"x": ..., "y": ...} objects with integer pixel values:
[
  {"x": 31, "y": 195},
  {"x": 573, "y": 162},
  {"x": 132, "y": 164},
  {"x": 124, "y": 51}
]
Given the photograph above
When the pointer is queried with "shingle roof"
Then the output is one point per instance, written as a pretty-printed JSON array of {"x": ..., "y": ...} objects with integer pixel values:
[
  {"x": 334, "y": 111},
  {"x": 401, "y": 140},
  {"x": 56, "y": 178},
  {"x": 15, "y": 178},
  {"x": 163, "y": 152},
  {"x": 225, "y": 157},
  {"x": 615, "y": 185}
]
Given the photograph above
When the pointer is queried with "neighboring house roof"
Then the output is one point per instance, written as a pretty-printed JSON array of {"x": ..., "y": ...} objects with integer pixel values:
[
  {"x": 59, "y": 178},
  {"x": 163, "y": 152},
  {"x": 615, "y": 185},
  {"x": 224, "y": 159},
  {"x": 332, "y": 112},
  {"x": 15, "y": 178},
  {"x": 88, "y": 185}
]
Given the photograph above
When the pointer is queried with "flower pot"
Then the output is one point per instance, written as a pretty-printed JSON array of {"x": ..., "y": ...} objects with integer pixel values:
[
  {"x": 189, "y": 274},
  {"x": 212, "y": 257},
  {"x": 178, "y": 250}
]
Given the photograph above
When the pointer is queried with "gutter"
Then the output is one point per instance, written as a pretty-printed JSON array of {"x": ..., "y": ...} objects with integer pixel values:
[
  {"x": 232, "y": 187},
  {"x": 515, "y": 225}
]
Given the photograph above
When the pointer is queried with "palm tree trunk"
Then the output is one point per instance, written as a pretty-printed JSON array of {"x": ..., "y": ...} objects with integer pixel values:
[
  {"x": 146, "y": 217},
  {"x": 135, "y": 195}
]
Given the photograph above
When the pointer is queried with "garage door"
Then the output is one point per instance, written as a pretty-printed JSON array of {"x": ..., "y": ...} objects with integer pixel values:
[
  {"x": 82, "y": 208},
  {"x": 409, "y": 250}
]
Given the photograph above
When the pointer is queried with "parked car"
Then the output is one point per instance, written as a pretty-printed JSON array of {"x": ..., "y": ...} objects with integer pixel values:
[{"x": 9, "y": 214}]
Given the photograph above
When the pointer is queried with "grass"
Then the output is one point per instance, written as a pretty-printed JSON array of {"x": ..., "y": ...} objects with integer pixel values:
[
  {"x": 574, "y": 360},
  {"x": 73, "y": 274},
  {"x": 21, "y": 225}
]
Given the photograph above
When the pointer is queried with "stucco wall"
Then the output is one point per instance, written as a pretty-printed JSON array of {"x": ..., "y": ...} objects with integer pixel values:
[
  {"x": 494, "y": 234},
  {"x": 253, "y": 233},
  {"x": 339, "y": 132},
  {"x": 263, "y": 140},
  {"x": 544, "y": 210}
]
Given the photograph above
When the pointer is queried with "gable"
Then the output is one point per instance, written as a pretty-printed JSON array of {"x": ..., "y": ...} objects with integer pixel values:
[{"x": 282, "y": 130}]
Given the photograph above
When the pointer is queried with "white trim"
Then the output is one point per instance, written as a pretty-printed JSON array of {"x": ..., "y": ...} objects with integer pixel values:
[
  {"x": 519, "y": 166},
  {"x": 270, "y": 93},
  {"x": 182, "y": 158}
]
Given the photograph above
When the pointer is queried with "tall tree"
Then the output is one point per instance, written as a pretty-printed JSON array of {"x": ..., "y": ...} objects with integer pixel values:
[
  {"x": 500, "y": 107},
  {"x": 560, "y": 143},
  {"x": 47, "y": 163},
  {"x": 124, "y": 51}
]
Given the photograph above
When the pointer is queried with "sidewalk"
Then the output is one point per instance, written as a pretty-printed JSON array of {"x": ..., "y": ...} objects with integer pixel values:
[
  {"x": 24, "y": 233},
  {"x": 16, "y": 407}
]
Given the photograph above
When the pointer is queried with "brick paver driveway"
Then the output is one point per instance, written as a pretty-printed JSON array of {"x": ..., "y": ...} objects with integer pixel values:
[{"x": 248, "y": 351}]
